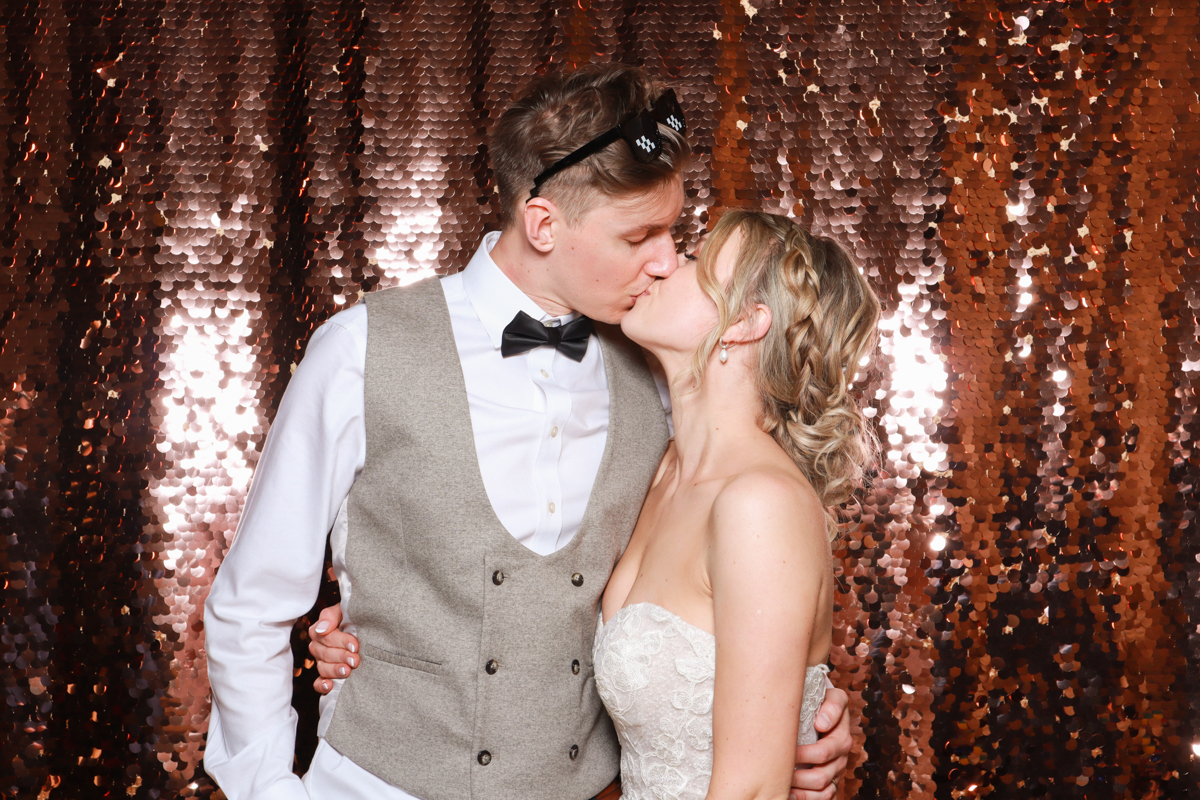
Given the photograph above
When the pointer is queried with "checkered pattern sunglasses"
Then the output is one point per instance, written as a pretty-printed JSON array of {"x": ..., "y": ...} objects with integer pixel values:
[{"x": 639, "y": 131}]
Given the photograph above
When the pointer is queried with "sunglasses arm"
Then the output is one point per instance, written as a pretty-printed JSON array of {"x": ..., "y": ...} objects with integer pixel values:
[{"x": 591, "y": 148}]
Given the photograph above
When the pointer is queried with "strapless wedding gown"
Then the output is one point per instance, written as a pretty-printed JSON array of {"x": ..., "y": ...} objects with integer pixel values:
[{"x": 654, "y": 672}]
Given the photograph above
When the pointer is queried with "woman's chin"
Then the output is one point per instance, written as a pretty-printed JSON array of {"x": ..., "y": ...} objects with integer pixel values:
[{"x": 632, "y": 325}]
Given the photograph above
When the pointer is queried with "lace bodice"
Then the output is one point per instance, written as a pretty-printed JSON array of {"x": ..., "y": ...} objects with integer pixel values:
[{"x": 654, "y": 672}]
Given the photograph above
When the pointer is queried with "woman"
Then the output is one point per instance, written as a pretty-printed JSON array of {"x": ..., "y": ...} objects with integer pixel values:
[
  {"x": 718, "y": 618},
  {"x": 717, "y": 621}
]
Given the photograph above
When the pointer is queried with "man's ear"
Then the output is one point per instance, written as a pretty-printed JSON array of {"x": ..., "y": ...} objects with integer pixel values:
[
  {"x": 541, "y": 218},
  {"x": 751, "y": 327}
]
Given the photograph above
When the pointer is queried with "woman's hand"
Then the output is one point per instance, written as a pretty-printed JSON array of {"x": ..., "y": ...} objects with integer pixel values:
[
  {"x": 821, "y": 766},
  {"x": 334, "y": 649}
]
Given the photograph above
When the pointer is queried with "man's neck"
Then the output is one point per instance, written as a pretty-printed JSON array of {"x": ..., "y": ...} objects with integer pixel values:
[{"x": 528, "y": 270}]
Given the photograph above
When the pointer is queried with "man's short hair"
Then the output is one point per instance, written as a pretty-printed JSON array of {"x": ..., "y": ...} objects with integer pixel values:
[{"x": 561, "y": 112}]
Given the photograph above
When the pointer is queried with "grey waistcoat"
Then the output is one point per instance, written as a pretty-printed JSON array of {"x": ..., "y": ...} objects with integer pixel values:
[{"x": 476, "y": 678}]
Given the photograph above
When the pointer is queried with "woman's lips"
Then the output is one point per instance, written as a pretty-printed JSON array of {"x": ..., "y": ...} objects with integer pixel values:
[{"x": 647, "y": 292}]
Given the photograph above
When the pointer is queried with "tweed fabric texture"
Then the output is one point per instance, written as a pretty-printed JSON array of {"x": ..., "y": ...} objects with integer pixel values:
[{"x": 466, "y": 688}]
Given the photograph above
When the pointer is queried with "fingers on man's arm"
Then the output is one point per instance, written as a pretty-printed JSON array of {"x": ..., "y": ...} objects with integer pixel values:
[
  {"x": 328, "y": 642},
  {"x": 336, "y": 647},
  {"x": 330, "y": 619}
]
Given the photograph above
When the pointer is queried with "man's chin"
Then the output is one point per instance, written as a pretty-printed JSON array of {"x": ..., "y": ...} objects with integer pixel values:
[{"x": 610, "y": 315}]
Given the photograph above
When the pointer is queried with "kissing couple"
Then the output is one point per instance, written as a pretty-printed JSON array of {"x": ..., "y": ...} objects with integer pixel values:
[{"x": 565, "y": 574}]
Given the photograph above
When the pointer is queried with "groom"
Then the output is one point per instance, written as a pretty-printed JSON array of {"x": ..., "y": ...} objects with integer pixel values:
[{"x": 477, "y": 452}]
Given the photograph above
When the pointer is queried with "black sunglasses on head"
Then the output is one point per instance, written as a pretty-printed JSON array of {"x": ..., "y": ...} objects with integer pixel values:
[{"x": 639, "y": 131}]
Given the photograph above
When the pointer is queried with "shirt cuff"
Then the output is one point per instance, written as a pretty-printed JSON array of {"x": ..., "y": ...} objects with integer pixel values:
[{"x": 262, "y": 770}]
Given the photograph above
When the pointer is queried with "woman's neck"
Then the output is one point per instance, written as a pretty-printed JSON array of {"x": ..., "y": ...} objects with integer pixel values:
[{"x": 713, "y": 423}]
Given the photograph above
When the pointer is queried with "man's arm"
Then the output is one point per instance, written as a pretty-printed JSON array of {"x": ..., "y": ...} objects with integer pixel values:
[{"x": 272, "y": 572}]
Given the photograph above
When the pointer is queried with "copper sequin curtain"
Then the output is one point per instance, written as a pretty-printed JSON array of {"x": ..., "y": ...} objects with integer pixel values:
[{"x": 189, "y": 188}]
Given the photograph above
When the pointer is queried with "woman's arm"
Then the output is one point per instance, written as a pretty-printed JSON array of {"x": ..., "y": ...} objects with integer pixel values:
[{"x": 769, "y": 564}]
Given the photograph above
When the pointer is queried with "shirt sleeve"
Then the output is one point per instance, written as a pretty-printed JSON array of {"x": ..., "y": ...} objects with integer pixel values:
[{"x": 272, "y": 572}]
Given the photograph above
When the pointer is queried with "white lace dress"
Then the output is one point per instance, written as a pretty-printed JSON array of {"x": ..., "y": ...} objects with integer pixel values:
[{"x": 654, "y": 672}]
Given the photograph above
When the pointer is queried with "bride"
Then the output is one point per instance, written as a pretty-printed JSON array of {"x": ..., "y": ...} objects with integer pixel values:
[{"x": 717, "y": 622}]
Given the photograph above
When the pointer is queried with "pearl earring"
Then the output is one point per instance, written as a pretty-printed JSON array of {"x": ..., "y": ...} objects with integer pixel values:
[{"x": 724, "y": 352}]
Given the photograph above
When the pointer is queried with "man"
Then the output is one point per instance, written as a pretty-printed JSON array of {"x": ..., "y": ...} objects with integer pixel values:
[{"x": 477, "y": 456}]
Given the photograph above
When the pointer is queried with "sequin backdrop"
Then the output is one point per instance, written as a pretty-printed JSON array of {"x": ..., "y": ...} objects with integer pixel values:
[{"x": 189, "y": 188}]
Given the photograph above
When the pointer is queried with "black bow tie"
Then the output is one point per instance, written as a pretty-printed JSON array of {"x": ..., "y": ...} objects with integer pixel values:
[{"x": 525, "y": 333}]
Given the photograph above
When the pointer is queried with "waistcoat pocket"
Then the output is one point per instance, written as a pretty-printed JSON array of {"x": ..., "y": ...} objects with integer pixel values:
[{"x": 406, "y": 662}]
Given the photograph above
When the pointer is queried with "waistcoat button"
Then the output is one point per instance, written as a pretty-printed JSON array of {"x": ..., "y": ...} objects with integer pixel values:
[
  {"x": 577, "y": 579},
  {"x": 574, "y": 752},
  {"x": 497, "y": 577},
  {"x": 492, "y": 666},
  {"x": 575, "y": 667},
  {"x": 484, "y": 758}
]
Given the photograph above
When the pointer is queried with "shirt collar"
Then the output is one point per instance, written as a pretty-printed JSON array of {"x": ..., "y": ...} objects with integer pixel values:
[{"x": 493, "y": 295}]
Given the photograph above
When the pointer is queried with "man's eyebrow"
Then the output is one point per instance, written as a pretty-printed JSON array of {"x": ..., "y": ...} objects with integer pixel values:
[{"x": 647, "y": 227}]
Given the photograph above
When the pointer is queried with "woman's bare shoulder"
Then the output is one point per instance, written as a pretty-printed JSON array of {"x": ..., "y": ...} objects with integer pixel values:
[
  {"x": 768, "y": 541},
  {"x": 772, "y": 500},
  {"x": 767, "y": 486}
]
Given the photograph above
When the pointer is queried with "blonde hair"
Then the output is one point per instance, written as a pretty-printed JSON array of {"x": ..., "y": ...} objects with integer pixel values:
[
  {"x": 823, "y": 319},
  {"x": 560, "y": 113}
]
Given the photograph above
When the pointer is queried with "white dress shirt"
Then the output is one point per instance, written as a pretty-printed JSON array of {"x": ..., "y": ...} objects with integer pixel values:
[{"x": 540, "y": 421}]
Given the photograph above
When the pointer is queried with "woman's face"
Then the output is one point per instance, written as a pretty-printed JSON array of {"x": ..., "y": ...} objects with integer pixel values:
[{"x": 674, "y": 314}]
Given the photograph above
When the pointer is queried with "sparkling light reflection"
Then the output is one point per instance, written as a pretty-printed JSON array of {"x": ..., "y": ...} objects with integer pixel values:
[
  {"x": 410, "y": 250},
  {"x": 918, "y": 380}
]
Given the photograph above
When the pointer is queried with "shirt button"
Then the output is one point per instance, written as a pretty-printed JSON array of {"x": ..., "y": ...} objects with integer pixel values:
[
  {"x": 497, "y": 577},
  {"x": 551, "y": 507},
  {"x": 492, "y": 666},
  {"x": 484, "y": 758},
  {"x": 577, "y": 579},
  {"x": 574, "y": 752},
  {"x": 575, "y": 667},
  {"x": 554, "y": 432},
  {"x": 545, "y": 374}
]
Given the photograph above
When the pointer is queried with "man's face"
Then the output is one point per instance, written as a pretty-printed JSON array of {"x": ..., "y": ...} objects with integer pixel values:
[{"x": 619, "y": 248}]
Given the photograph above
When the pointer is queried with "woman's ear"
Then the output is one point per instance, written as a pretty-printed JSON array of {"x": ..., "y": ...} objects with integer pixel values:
[{"x": 751, "y": 327}]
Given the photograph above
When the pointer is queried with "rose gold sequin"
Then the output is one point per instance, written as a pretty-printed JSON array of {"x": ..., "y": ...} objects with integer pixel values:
[{"x": 189, "y": 189}]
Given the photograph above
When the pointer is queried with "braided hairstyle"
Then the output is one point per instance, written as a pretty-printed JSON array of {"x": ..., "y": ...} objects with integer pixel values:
[{"x": 823, "y": 318}]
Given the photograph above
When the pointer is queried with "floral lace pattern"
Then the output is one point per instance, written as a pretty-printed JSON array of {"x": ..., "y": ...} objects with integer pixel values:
[{"x": 655, "y": 672}]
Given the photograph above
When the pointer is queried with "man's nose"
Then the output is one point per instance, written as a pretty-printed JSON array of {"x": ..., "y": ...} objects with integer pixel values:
[{"x": 664, "y": 260}]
